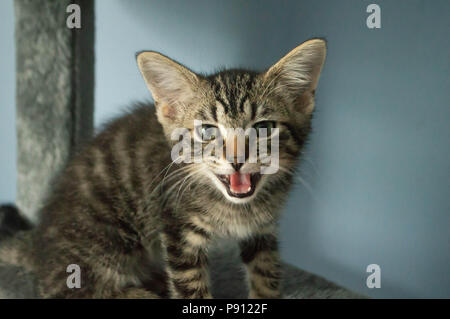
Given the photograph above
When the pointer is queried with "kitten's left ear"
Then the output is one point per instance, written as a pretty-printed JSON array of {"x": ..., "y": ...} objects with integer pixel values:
[
  {"x": 297, "y": 72},
  {"x": 171, "y": 84}
]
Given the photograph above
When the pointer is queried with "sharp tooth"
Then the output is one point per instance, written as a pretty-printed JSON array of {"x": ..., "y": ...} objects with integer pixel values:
[{"x": 249, "y": 189}]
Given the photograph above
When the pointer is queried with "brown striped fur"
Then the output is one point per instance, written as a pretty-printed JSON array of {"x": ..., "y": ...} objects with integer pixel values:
[{"x": 121, "y": 208}]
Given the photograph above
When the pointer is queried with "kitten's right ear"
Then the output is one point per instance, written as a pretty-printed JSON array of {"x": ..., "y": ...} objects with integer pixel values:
[
  {"x": 171, "y": 84},
  {"x": 298, "y": 72}
]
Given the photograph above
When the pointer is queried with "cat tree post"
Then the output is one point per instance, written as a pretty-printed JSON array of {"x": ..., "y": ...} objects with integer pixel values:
[{"x": 54, "y": 92}]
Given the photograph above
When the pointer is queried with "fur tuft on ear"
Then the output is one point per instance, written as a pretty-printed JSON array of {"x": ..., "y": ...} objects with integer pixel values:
[
  {"x": 297, "y": 72},
  {"x": 171, "y": 84}
]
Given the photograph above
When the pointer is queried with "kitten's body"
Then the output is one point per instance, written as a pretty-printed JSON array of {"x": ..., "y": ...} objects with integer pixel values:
[
  {"x": 102, "y": 209},
  {"x": 121, "y": 206}
]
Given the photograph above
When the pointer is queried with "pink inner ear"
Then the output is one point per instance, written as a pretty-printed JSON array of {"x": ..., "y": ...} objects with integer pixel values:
[{"x": 168, "y": 111}]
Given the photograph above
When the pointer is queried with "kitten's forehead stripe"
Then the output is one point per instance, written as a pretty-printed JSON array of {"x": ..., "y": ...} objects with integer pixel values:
[
  {"x": 264, "y": 111},
  {"x": 225, "y": 106},
  {"x": 201, "y": 115},
  {"x": 213, "y": 111},
  {"x": 232, "y": 89},
  {"x": 219, "y": 91},
  {"x": 254, "y": 106},
  {"x": 241, "y": 104}
]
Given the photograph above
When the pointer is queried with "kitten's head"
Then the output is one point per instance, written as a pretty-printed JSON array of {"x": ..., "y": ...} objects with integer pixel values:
[{"x": 278, "y": 101}]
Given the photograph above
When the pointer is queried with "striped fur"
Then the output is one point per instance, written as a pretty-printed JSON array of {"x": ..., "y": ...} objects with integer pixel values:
[{"x": 122, "y": 208}]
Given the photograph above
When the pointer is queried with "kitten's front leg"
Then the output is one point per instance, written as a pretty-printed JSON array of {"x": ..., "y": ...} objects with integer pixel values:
[
  {"x": 261, "y": 257},
  {"x": 185, "y": 249}
]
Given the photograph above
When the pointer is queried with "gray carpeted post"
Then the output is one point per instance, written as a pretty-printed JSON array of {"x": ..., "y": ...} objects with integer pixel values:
[{"x": 55, "y": 84}]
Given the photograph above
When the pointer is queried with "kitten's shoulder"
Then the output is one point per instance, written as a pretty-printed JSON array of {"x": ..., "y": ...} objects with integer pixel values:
[
  {"x": 142, "y": 115},
  {"x": 138, "y": 121},
  {"x": 137, "y": 127}
]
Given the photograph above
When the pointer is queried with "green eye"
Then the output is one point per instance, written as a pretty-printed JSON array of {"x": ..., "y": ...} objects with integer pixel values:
[
  {"x": 208, "y": 132},
  {"x": 268, "y": 125}
]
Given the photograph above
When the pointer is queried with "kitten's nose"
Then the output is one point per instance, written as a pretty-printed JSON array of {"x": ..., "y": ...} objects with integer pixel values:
[{"x": 237, "y": 166}]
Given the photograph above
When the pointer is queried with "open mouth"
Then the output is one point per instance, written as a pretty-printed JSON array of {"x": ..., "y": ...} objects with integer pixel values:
[{"x": 240, "y": 185}]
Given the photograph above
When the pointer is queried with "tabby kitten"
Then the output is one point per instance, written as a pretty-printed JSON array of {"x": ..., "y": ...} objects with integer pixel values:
[{"x": 123, "y": 205}]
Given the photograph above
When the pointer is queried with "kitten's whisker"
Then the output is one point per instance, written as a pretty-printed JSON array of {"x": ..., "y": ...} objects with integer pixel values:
[
  {"x": 276, "y": 88},
  {"x": 187, "y": 186},
  {"x": 184, "y": 180},
  {"x": 314, "y": 167},
  {"x": 173, "y": 162},
  {"x": 169, "y": 177},
  {"x": 171, "y": 188},
  {"x": 302, "y": 181},
  {"x": 164, "y": 169},
  {"x": 263, "y": 95}
]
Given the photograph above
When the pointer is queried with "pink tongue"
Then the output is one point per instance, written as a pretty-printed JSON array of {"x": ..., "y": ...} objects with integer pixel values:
[{"x": 240, "y": 183}]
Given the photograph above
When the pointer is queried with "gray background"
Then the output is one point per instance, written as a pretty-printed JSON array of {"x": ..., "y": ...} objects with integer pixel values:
[{"x": 375, "y": 178}]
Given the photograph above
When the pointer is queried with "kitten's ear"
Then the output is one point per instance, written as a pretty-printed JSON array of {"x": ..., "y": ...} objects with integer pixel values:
[
  {"x": 171, "y": 84},
  {"x": 298, "y": 72}
]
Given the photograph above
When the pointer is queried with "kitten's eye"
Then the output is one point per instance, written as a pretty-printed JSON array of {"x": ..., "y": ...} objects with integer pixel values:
[
  {"x": 208, "y": 132},
  {"x": 268, "y": 125}
]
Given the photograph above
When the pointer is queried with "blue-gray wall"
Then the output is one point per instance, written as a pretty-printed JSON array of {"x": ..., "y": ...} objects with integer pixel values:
[
  {"x": 7, "y": 108},
  {"x": 376, "y": 174}
]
